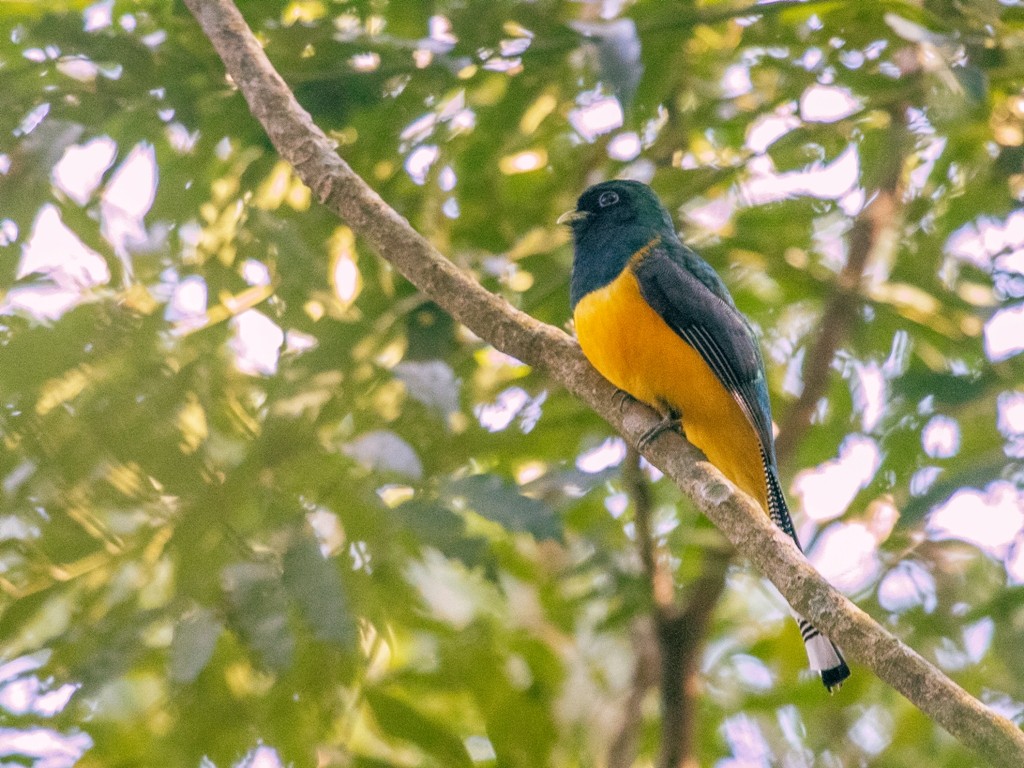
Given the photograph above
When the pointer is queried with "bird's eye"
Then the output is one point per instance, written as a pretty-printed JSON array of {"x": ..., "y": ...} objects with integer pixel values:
[{"x": 608, "y": 198}]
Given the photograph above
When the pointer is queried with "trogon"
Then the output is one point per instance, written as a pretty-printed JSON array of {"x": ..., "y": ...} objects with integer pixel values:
[{"x": 658, "y": 322}]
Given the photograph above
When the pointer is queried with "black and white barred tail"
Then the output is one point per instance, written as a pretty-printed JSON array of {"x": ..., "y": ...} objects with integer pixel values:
[{"x": 825, "y": 658}]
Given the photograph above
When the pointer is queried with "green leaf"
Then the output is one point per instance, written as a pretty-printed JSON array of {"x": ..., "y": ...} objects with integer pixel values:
[
  {"x": 495, "y": 499},
  {"x": 195, "y": 637},
  {"x": 259, "y": 611},
  {"x": 521, "y": 731},
  {"x": 402, "y": 721},
  {"x": 383, "y": 451},
  {"x": 314, "y": 583},
  {"x": 433, "y": 383},
  {"x": 436, "y": 526}
]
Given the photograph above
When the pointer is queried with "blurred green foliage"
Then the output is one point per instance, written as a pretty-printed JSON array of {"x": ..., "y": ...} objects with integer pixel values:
[{"x": 257, "y": 495}]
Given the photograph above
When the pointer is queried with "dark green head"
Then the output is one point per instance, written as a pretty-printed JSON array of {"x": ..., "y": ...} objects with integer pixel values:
[{"x": 612, "y": 221}]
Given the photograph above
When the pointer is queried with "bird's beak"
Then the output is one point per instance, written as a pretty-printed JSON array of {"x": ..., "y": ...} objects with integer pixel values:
[{"x": 570, "y": 217}]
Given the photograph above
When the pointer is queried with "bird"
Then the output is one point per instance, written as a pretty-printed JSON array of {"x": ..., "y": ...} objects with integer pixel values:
[{"x": 658, "y": 322}]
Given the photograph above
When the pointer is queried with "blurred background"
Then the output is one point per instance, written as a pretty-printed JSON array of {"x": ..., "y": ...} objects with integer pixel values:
[{"x": 262, "y": 504}]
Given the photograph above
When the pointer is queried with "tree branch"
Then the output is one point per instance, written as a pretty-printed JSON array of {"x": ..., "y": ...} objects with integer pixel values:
[
  {"x": 623, "y": 748},
  {"x": 871, "y": 232},
  {"x": 305, "y": 146},
  {"x": 680, "y": 626},
  {"x": 659, "y": 578},
  {"x": 681, "y": 635}
]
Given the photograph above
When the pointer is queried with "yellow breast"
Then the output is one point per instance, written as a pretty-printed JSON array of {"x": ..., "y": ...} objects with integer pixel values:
[{"x": 635, "y": 350}]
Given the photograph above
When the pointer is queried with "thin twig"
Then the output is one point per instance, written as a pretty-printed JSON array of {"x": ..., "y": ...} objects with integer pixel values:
[
  {"x": 338, "y": 187},
  {"x": 659, "y": 578},
  {"x": 681, "y": 628},
  {"x": 648, "y": 653},
  {"x": 870, "y": 234},
  {"x": 681, "y": 639},
  {"x": 623, "y": 749}
]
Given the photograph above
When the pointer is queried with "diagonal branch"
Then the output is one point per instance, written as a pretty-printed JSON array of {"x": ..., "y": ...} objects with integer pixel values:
[
  {"x": 305, "y": 146},
  {"x": 872, "y": 231}
]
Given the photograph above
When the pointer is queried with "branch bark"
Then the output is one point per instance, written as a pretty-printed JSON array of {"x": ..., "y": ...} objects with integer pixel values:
[
  {"x": 872, "y": 230},
  {"x": 681, "y": 635},
  {"x": 623, "y": 749},
  {"x": 311, "y": 153},
  {"x": 680, "y": 628},
  {"x": 659, "y": 578}
]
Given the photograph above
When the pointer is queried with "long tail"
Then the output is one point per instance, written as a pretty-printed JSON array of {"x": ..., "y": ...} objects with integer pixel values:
[{"x": 825, "y": 658}]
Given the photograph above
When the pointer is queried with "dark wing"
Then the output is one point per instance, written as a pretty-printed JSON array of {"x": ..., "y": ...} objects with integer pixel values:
[
  {"x": 694, "y": 303},
  {"x": 715, "y": 328}
]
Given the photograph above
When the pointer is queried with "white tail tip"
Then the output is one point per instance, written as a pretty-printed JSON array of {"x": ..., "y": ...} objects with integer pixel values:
[{"x": 823, "y": 655}]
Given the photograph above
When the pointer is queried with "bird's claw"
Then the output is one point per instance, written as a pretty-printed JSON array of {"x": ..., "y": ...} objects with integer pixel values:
[
  {"x": 671, "y": 421},
  {"x": 620, "y": 397}
]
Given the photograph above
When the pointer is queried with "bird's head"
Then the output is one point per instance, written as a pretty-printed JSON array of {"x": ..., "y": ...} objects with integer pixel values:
[
  {"x": 612, "y": 221},
  {"x": 614, "y": 205}
]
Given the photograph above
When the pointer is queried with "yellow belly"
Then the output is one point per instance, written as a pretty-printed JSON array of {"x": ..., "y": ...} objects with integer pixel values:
[{"x": 635, "y": 350}]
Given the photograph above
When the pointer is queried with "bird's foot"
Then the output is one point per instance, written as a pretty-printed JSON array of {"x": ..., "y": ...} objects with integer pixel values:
[
  {"x": 669, "y": 421},
  {"x": 620, "y": 397}
]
